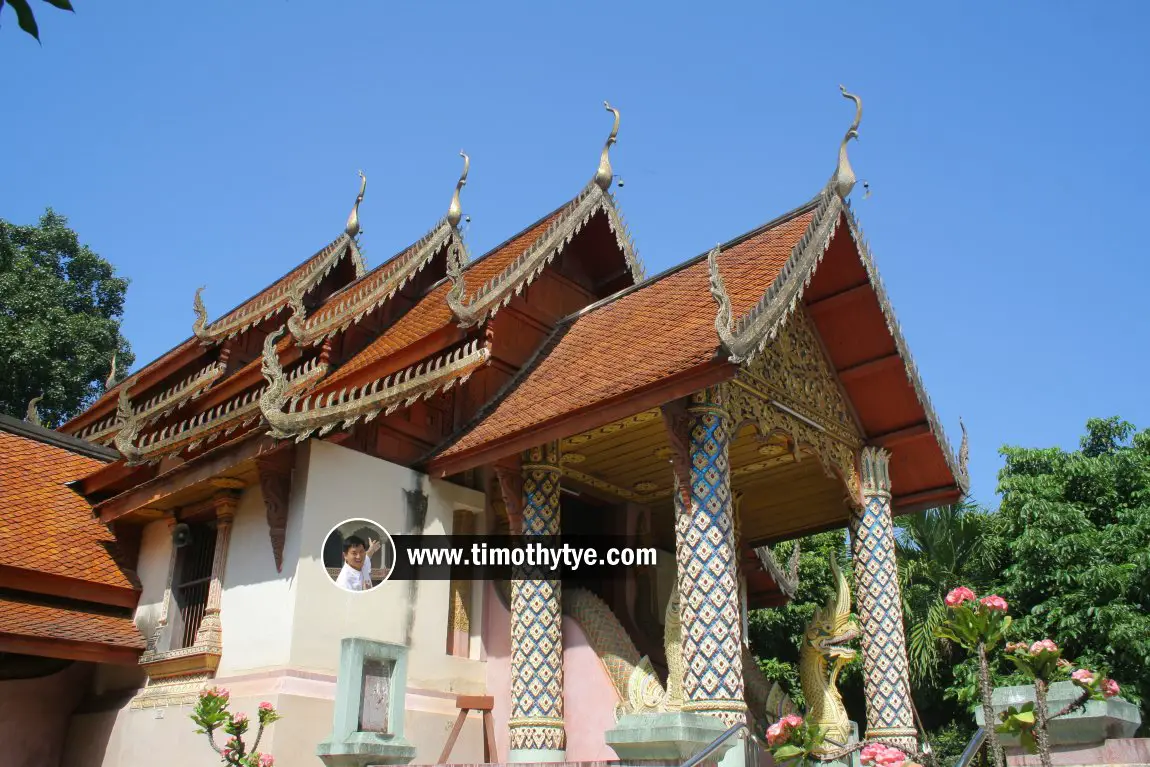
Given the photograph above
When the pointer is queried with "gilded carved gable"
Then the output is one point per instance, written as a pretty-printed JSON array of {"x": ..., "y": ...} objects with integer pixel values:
[{"x": 791, "y": 388}]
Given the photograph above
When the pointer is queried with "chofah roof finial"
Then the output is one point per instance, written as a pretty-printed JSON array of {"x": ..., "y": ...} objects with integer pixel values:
[
  {"x": 199, "y": 327},
  {"x": 844, "y": 179},
  {"x": 33, "y": 415},
  {"x": 110, "y": 381},
  {"x": 963, "y": 451},
  {"x": 455, "y": 212},
  {"x": 604, "y": 175},
  {"x": 352, "y": 228}
]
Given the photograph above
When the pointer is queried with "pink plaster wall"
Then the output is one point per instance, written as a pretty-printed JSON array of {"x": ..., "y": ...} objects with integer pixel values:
[
  {"x": 34, "y": 715},
  {"x": 589, "y": 699}
]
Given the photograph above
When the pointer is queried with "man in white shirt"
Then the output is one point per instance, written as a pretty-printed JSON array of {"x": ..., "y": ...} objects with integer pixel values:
[{"x": 356, "y": 572}]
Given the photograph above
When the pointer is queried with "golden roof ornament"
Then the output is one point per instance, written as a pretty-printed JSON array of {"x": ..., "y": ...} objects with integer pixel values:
[
  {"x": 963, "y": 450},
  {"x": 32, "y": 416},
  {"x": 352, "y": 228},
  {"x": 844, "y": 178},
  {"x": 199, "y": 327},
  {"x": 125, "y": 439},
  {"x": 110, "y": 381},
  {"x": 455, "y": 212},
  {"x": 604, "y": 175}
]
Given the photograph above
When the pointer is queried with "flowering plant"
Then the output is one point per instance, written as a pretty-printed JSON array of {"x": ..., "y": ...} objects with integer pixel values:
[
  {"x": 1098, "y": 686},
  {"x": 881, "y": 755},
  {"x": 211, "y": 714},
  {"x": 1040, "y": 660},
  {"x": 973, "y": 620},
  {"x": 793, "y": 740}
]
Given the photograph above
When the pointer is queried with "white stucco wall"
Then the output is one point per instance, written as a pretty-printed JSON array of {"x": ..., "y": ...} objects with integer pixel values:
[
  {"x": 152, "y": 568},
  {"x": 282, "y": 630}
]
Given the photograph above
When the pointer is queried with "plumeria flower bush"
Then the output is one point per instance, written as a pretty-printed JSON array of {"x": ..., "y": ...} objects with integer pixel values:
[
  {"x": 881, "y": 755},
  {"x": 792, "y": 741},
  {"x": 1042, "y": 663},
  {"x": 211, "y": 714},
  {"x": 978, "y": 625}
]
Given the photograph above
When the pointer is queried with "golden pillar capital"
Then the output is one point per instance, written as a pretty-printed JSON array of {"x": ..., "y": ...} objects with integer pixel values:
[{"x": 874, "y": 467}]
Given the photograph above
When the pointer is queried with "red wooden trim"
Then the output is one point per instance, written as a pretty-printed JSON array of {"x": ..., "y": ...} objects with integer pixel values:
[
  {"x": 900, "y": 436},
  {"x": 872, "y": 367},
  {"x": 490, "y": 752},
  {"x": 925, "y": 499},
  {"x": 108, "y": 475},
  {"x": 452, "y": 737},
  {"x": 600, "y": 414},
  {"x": 843, "y": 298},
  {"x": 199, "y": 469},
  {"x": 68, "y": 649},
  {"x": 51, "y": 584}
]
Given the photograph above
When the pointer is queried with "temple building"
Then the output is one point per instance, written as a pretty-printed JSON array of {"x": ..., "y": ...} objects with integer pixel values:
[{"x": 172, "y": 536}]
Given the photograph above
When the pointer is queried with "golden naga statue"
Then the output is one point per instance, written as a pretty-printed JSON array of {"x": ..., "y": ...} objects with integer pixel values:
[
  {"x": 823, "y": 655},
  {"x": 645, "y": 693}
]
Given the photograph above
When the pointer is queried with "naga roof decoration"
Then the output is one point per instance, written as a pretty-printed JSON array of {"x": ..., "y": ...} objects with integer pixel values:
[
  {"x": 746, "y": 337},
  {"x": 159, "y": 405},
  {"x": 500, "y": 289},
  {"x": 288, "y": 291},
  {"x": 32, "y": 415},
  {"x": 353, "y": 303},
  {"x": 344, "y": 408},
  {"x": 223, "y": 420}
]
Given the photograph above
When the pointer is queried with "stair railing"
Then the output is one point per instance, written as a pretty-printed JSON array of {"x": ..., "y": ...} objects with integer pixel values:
[
  {"x": 972, "y": 748},
  {"x": 751, "y": 746}
]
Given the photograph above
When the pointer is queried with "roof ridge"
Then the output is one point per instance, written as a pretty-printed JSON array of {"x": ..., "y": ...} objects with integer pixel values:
[
  {"x": 56, "y": 439},
  {"x": 773, "y": 223}
]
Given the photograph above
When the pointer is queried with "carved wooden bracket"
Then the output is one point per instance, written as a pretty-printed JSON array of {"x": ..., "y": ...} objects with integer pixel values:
[
  {"x": 676, "y": 420},
  {"x": 510, "y": 478},
  {"x": 275, "y": 470}
]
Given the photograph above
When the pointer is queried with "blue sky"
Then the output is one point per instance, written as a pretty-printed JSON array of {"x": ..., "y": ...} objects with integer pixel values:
[{"x": 1005, "y": 145}]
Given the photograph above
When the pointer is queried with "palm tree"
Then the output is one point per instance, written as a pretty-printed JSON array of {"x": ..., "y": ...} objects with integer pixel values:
[{"x": 938, "y": 550}]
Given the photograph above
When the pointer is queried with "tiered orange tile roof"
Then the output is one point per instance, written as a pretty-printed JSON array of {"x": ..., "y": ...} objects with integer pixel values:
[
  {"x": 45, "y": 526},
  {"x": 640, "y": 336},
  {"x": 432, "y": 313},
  {"x": 63, "y": 590},
  {"x": 28, "y": 617}
]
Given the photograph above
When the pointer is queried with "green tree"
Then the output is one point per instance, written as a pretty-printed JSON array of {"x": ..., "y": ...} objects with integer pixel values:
[
  {"x": 60, "y": 310},
  {"x": 1077, "y": 526},
  {"x": 939, "y": 550},
  {"x": 26, "y": 19}
]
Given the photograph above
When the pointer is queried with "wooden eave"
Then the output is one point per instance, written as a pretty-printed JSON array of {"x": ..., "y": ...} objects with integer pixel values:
[
  {"x": 69, "y": 649},
  {"x": 36, "y": 582}
]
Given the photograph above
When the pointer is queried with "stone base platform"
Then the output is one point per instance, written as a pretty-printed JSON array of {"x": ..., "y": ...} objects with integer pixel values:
[{"x": 1116, "y": 752}]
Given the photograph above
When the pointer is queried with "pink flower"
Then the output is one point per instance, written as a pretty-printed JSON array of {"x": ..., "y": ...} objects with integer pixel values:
[
  {"x": 1043, "y": 644},
  {"x": 791, "y": 720},
  {"x": 775, "y": 734},
  {"x": 1110, "y": 688},
  {"x": 266, "y": 707},
  {"x": 994, "y": 603},
  {"x": 1015, "y": 646},
  {"x": 1083, "y": 676},
  {"x": 266, "y": 761},
  {"x": 890, "y": 757},
  {"x": 869, "y": 752},
  {"x": 226, "y": 753},
  {"x": 240, "y": 719},
  {"x": 958, "y": 596}
]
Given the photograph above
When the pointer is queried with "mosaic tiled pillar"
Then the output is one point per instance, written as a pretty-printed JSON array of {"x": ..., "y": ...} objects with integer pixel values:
[
  {"x": 707, "y": 568},
  {"x": 210, "y": 633},
  {"x": 536, "y": 721},
  {"x": 890, "y": 716}
]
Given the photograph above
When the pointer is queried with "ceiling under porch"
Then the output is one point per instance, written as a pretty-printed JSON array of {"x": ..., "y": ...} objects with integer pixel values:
[{"x": 781, "y": 496}]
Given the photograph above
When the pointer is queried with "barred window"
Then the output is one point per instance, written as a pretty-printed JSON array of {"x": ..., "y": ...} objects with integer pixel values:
[{"x": 195, "y": 578}]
